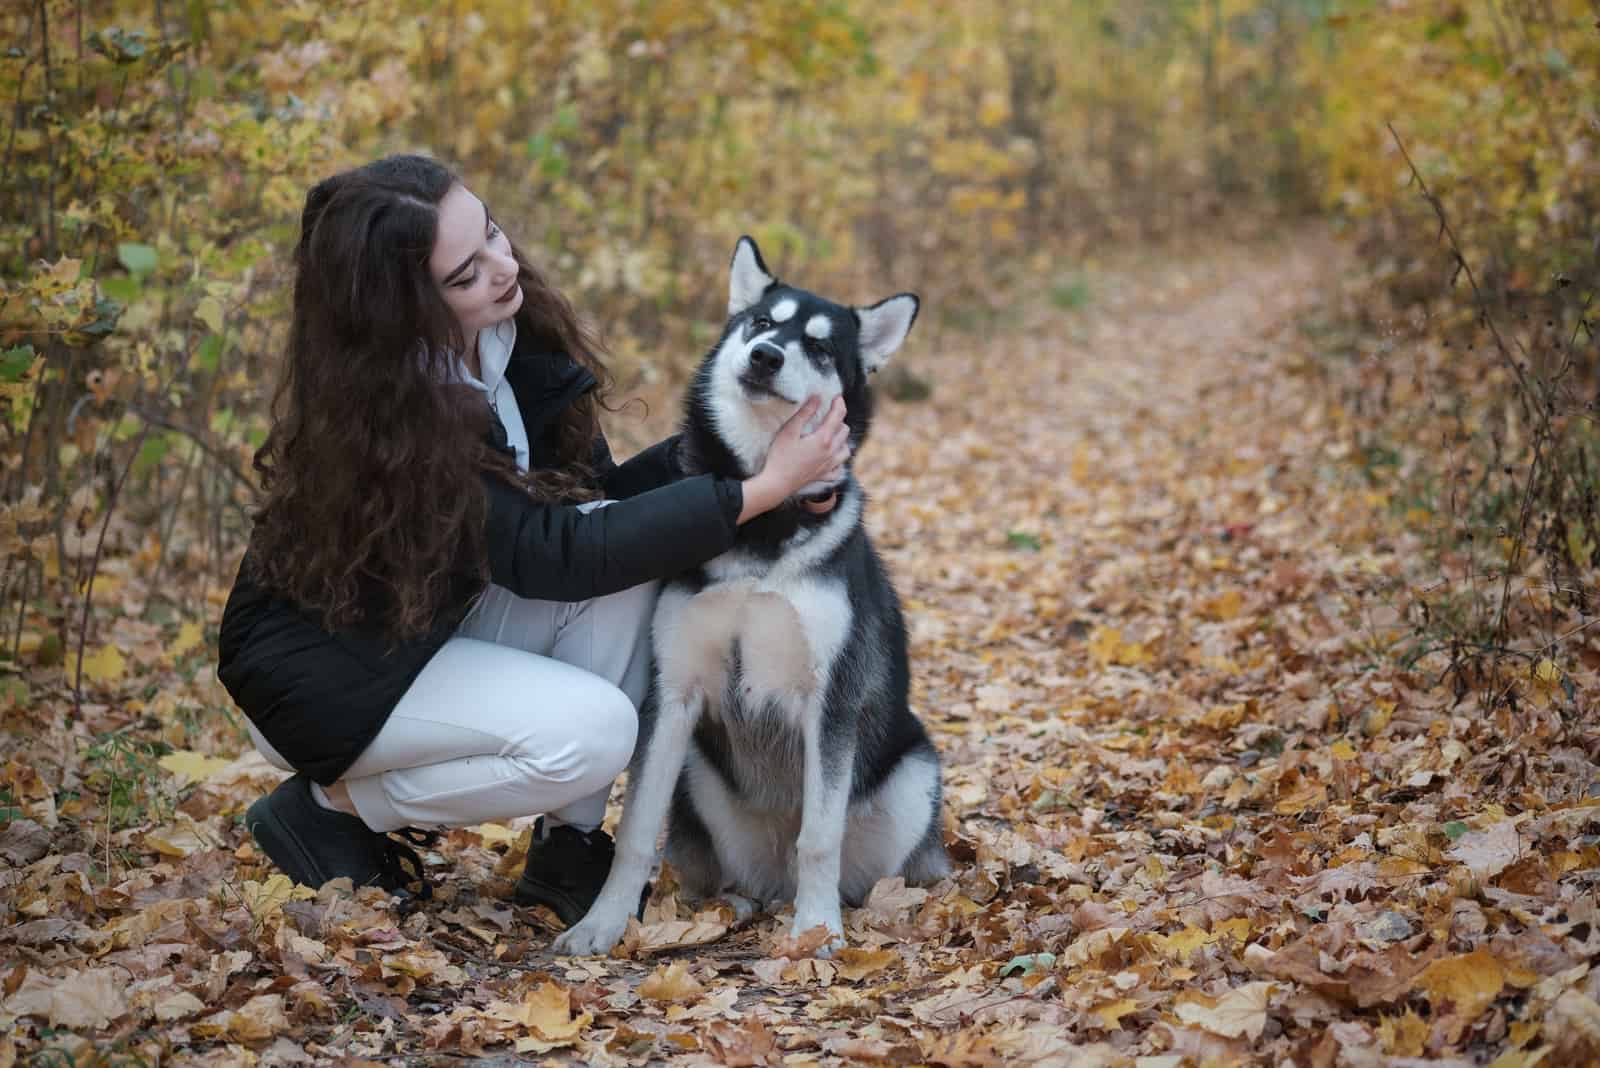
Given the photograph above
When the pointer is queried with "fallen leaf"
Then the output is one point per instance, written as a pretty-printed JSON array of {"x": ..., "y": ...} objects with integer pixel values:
[
  {"x": 1111, "y": 1013},
  {"x": 1488, "y": 852},
  {"x": 195, "y": 767},
  {"x": 671, "y": 982},
  {"x": 85, "y": 1000},
  {"x": 105, "y": 665},
  {"x": 1463, "y": 985},
  {"x": 1240, "y": 1013},
  {"x": 855, "y": 964}
]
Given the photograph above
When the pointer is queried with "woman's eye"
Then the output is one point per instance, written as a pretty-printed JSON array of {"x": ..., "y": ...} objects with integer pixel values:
[{"x": 467, "y": 283}]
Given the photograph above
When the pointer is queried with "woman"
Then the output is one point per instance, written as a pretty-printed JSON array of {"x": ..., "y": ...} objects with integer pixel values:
[{"x": 443, "y": 616}]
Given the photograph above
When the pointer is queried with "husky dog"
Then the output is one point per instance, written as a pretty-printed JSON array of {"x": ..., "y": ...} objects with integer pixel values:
[{"x": 777, "y": 740}]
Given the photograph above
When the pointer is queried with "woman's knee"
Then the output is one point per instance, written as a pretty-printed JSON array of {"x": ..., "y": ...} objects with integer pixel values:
[
  {"x": 613, "y": 728},
  {"x": 595, "y": 745}
]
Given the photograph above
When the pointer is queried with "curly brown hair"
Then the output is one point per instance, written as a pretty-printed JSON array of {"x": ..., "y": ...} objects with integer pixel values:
[{"x": 373, "y": 506}]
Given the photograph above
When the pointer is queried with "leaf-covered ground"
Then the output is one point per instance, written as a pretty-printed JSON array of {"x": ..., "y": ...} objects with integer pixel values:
[{"x": 1200, "y": 816}]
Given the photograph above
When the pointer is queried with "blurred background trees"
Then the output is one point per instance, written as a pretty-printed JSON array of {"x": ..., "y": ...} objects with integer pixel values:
[{"x": 155, "y": 153}]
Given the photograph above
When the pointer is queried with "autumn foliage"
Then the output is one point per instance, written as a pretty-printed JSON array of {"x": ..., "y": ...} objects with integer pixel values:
[{"x": 1250, "y": 569}]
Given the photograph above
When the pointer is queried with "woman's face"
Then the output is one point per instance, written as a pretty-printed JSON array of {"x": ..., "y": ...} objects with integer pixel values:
[{"x": 473, "y": 265}]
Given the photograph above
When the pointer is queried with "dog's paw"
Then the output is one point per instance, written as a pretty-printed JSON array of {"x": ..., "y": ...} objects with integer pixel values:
[
  {"x": 743, "y": 907},
  {"x": 593, "y": 936},
  {"x": 810, "y": 919}
]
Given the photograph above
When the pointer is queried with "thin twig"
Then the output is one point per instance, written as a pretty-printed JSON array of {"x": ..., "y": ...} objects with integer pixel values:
[
  {"x": 94, "y": 566},
  {"x": 212, "y": 453}
]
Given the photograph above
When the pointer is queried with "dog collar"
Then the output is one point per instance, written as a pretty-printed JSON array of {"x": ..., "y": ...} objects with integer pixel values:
[{"x": 821, "y": 504}]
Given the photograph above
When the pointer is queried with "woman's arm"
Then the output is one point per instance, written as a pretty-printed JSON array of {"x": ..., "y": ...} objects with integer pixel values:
[
  {"x": 650, "y": 469},
  {"x": 555, "y": 552}
]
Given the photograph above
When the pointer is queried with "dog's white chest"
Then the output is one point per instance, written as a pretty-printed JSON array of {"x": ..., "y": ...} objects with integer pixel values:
[{"x": 783, "y": 635}]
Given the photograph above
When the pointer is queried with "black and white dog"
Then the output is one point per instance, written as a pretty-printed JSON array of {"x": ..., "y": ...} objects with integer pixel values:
[{"x": 777, "y": 739}]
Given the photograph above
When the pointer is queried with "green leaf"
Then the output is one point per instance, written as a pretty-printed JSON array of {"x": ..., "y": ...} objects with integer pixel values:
[
  {"x": 123, "y": 288},
  {"x": 1029, "y": 963},
  {"x": 139, "y": 259},
  {"x": 209, "y": 352},
  {"x": 151, "y": 453},
  {"x": 1455, "y": 829},
  {"x": 1019, "y": 539},
  {"x": 14, "y": 363}
]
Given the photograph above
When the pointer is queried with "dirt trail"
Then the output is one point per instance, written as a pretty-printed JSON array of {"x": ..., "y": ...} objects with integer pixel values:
[{"x": 1150, "y": 446}]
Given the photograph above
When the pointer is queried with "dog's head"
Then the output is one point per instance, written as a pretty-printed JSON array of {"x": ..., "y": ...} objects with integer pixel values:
[{"x": 781, "y": 345}]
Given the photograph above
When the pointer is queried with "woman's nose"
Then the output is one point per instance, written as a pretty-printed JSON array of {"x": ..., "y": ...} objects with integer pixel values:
[{"x": 505, "y": 267}]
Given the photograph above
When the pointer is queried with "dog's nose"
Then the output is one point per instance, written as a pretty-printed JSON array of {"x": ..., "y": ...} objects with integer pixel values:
[{"x": 766, "y": 358}]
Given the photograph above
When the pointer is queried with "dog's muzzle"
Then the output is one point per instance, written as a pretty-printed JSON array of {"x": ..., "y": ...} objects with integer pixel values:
[{"x": 766, "y": 359}]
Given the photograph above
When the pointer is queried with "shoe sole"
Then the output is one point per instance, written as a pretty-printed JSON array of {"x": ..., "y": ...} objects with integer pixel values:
[{"x": 527, "y": 895}]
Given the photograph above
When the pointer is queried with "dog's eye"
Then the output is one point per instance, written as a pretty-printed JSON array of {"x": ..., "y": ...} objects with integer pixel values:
[
  {"x": 820, "y": 347},
  {"x": 760, "y": 325}
]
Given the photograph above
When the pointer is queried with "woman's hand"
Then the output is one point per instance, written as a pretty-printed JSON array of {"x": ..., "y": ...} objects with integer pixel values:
[{"x": 798, "y": 458}]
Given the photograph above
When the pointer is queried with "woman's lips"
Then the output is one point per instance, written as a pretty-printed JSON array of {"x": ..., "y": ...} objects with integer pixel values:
[{"x": 509, "y": 293}]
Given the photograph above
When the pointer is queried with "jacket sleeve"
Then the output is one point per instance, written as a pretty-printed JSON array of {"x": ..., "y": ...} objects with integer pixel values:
[
  {"x": 555, "y": 552},
  {"x": 650, "y": 469}
]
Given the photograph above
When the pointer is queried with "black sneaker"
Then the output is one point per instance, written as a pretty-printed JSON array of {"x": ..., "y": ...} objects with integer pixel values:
[
  {"x": 566, "y": 869},
  {"x": 312, "y": 844}
]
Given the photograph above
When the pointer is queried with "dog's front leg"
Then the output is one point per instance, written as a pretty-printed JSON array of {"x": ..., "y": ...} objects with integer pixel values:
[
  {"x": 822, "y": 820},
  {"x": 644, "y": 811}
]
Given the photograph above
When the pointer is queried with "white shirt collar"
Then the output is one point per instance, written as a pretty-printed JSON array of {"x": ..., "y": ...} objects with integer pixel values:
[{"x": 495, "y": 343}]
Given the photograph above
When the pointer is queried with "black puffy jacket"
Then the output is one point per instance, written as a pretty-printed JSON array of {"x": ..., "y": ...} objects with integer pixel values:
[{"x": 321, "y": 696}]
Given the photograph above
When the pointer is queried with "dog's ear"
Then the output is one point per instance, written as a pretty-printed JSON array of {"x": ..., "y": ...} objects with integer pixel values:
[
  {"x": 748, "y": 278},
  {"x": 884, "y": 326}
]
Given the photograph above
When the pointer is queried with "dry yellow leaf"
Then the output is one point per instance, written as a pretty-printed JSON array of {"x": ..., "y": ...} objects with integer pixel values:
[
  {"x": 265, "y": 898},
  {"x": 1105, "y": 644},
  {"x": 706, "y": 927},
  {"x": 546, "y": 1012},
  {"x": 1468, "y": 983},
  {"x": 1223, "y": 607},
  {"x": 189, "y": 635},
  {"x": 195, "y": 767},
  {"x": 104, "y": 665},
  {"x": 1403, "y": 1036},
  {"x": 671, "y": 983},
  {"x": 854, "y": 964},
  {"x": 1178, "y": 946},
  {"x": 495, "y": 834},
  {"x": 175, "y": 840},
  {"x": 1240, "y": 1013},
  {"x": 1111, "y": 1014}
]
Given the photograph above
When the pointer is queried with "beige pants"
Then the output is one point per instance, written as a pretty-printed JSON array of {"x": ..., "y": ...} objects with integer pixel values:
[{"x": 530, "y": 708}]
